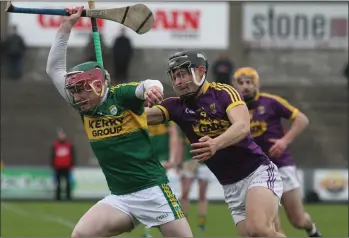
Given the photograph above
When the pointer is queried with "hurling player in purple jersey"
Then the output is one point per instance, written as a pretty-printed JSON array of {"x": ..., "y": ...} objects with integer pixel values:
[
  {"x": 266, "y": 113},
  {"x": 215, "y": 119}
]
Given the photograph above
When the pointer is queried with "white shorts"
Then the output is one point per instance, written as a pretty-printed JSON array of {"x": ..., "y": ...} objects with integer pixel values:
[
  {"x": 174, "y": 181},
  {"x": 192, "y": 169},
  {"x": 289, "y": 178},
  {"x": 152, "y": 206},
  {"x": 235, "y": 194}
]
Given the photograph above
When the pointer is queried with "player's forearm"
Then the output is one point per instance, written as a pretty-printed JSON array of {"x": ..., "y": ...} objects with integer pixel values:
[
  {"x": 235, "y": 133},
  {"x": 154, "y": 116},
  {"x": 298, "y": 125}
]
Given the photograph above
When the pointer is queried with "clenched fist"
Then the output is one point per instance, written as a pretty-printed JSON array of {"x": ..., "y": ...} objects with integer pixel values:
[{"x": 153, "y": 96}]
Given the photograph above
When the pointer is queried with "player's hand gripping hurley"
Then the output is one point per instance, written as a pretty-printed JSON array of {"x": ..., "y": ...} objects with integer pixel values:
[{"x": 137, "y": 17}]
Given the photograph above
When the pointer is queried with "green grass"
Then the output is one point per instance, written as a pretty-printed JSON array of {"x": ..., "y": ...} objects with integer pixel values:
[{"x": 50, "y": 219}]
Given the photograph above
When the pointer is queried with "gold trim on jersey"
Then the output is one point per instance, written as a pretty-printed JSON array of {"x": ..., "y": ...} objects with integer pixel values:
[
  {"x": 112, "y": 88},
  {"x": 283, "y": 102},
  {"x": 98, "y": 128},
  {"x": 164, "y": 110},
  {"x": 156, "y": 130},
  {"x": 234, "y": 95}
]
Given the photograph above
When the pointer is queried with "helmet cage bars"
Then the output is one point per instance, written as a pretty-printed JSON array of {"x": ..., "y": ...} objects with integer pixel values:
[{"x": 76, "y": 81}]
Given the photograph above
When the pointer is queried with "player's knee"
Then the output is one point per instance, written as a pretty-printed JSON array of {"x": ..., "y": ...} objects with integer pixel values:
[
  {"x": 78, "y": 234},
  {"x": 258, "y": 229}
]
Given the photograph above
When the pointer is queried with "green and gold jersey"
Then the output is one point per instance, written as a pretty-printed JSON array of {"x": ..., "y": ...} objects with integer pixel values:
[
  {"x": 160, "y": 138},
  {"x": 119, "y": 138}
]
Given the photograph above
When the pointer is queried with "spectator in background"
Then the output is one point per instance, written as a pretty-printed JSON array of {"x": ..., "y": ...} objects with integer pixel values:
[
  {"x": 14, "y": 47},
  {"x": 62, "y": 161},
  {"x": 223, "y": 69},
  {"x": 122, "y": 56}
]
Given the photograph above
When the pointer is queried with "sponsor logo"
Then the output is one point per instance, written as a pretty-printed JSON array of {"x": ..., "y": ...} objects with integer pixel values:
[{"x": 334, "y": 183}]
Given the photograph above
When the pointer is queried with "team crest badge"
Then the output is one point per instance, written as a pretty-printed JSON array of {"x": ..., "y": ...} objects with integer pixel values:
[
  {"x": 213, "y": 108},
  {"x": 113, "y": 110},
  {"x": 261, "y": 110}
]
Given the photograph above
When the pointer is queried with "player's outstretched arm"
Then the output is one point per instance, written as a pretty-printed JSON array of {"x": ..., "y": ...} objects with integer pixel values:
[
  {"x": 240, "y": 128},
  {"x": 154, "y": 116},
  {"x": 299, "y": 123},
  {"x": 56, "y": 62}
]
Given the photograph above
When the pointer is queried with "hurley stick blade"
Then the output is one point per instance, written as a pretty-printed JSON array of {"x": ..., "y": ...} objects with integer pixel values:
[{"x": 138, "y": 17}]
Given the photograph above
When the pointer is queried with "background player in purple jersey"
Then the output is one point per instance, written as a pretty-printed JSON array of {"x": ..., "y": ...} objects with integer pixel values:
[
  {"x": 266, "y": 113},
  {"x": 215, "y": 119}
]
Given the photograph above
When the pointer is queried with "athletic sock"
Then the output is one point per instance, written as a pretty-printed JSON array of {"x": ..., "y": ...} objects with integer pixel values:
[
  {"x": 202, "y": 222},
  {"x": 313, "y": 232}
]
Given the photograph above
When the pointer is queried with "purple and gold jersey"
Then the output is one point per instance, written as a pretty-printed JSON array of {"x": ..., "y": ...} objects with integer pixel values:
[
  {"x": 207, "y": 117},
  {"x": 266, "y": 113}
]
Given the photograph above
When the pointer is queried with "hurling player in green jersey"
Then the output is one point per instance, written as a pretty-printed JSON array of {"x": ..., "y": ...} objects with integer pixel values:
[
  {"x": 116, "y": 126},
  {"x": 165, "y": 138}
]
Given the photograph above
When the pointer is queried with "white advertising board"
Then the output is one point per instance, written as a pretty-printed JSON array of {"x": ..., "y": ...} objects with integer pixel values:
[
  {"x": 90, "y": 183},
  {"x": 177, "y": 25},
  {"x": 331, "y": 185},
  {"x": 296, "y": 25}
]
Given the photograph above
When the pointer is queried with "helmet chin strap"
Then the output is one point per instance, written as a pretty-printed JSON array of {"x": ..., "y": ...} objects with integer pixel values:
[
  {"x": 194, "y": 78},
  {"x": 189, "y": 96}
]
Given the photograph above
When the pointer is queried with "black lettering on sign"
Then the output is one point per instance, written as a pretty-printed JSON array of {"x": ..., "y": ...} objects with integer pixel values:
[{"x": 282, "y": 25}]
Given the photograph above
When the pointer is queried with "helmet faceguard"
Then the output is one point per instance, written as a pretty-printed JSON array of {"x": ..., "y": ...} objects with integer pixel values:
[
  {"x": 188, "y": 61},
  {"x": 85, "y": 77}
]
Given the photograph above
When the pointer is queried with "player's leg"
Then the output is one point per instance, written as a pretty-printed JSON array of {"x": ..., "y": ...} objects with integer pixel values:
[
  {"x": 204, "y": 176},
  {"x": 174, "y": 181},
  {"x": 262, "y": 202},
  {"x": 66, "y": 175},
  {"x": 254, "y": 202},
  {"x": 58, "y": 185},
  {"x": 293, "y": 204},
  {"x": 187, "y": 178},
  {"x": 202, "y": 204},
  {"x": 277, "y": 224},
  {"x": 109, "y": 217},
  {"x": 158, "y": 207},
  {"x": 186, "y": 185}
]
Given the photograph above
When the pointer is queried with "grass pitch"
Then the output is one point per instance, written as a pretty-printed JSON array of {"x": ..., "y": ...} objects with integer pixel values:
[{"x": 52, "y": 219}]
